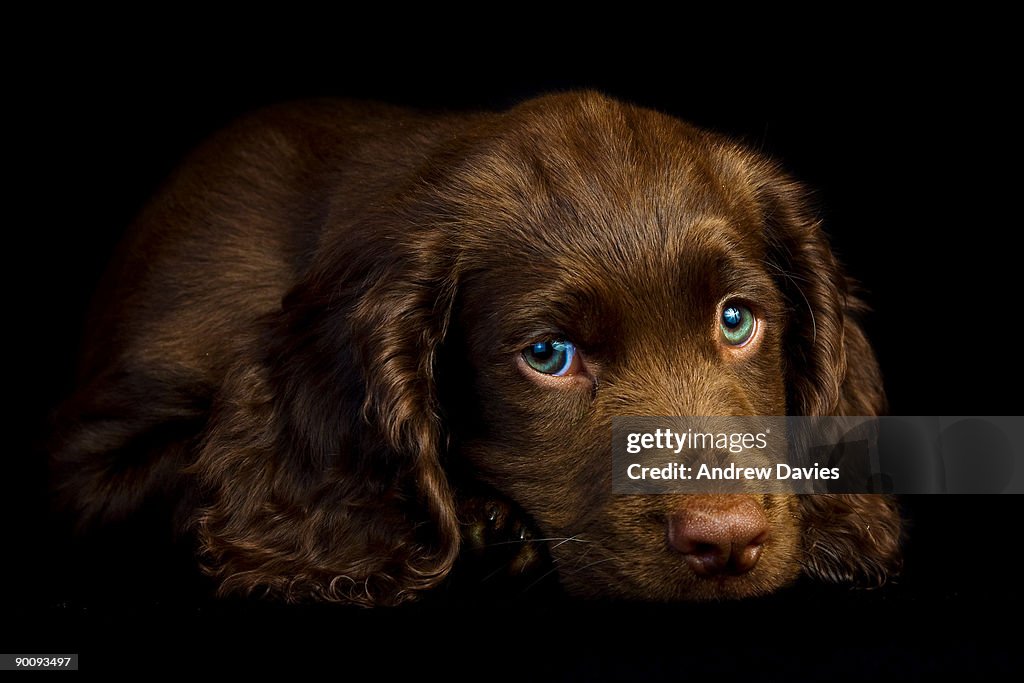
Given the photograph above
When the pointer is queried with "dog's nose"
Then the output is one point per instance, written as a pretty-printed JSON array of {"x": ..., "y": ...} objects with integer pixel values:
[{"x": 724, "y": 536}]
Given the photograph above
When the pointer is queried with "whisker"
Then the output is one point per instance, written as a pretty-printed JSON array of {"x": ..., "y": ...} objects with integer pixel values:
[
  {"x": 555, "y": 561},
  {"x": 779, "y": 268},
  {"x": 793, "y": 279},
  {"x": 490, "y": 576},
  {"x": 575, "y": 538},
  {"x": 558, "y": 560},
  {"x": 582, "y": 556},
  {"x": 560, "y": 540},
  {"x": 540, "y": 578},
  {"x": 595, "y": 562}
]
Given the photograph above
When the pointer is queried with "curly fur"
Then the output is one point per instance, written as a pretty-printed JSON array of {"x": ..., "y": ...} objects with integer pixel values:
[{"x": 303, "y": 350}]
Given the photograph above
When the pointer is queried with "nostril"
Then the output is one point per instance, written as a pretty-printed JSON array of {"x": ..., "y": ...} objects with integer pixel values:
[{"x": 705, "y": 549}]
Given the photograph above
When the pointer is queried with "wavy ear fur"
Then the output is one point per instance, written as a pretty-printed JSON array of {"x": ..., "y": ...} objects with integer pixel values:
[
  {"x": 831, "y": 370},
  {"x": 323, "y": 461}
]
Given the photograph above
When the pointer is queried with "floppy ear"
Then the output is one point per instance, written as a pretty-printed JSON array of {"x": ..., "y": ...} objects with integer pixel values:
[
  {"x": 322, "y": 465},
  {"x": 830, "y": 370},
  {"x": 851, "y": 538}
]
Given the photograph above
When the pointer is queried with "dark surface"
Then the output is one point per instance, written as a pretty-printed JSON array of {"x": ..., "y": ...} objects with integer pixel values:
[{"x": 907, "y": 157}]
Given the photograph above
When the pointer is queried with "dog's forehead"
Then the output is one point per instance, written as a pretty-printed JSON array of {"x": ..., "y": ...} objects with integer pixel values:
[
  {"x": 614, "y": 199},
  {"x": 607, "y": 180},
  {"x": 604, "y": 152}
]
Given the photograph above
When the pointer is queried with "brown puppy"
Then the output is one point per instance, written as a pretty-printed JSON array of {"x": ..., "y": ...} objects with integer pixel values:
[{"x": 337, "y": 320}]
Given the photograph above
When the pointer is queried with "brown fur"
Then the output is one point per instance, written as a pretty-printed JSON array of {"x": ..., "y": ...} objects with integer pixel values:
[{"x": 307, "y": 347}]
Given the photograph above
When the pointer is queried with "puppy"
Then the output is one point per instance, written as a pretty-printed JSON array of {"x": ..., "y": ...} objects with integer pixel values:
[{"x": 346, "y": 338}]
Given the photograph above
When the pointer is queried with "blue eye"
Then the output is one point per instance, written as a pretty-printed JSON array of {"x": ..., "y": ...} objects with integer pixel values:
[
  {"x": 737, "y": 324},
  {"x": 551, "y": 358}
]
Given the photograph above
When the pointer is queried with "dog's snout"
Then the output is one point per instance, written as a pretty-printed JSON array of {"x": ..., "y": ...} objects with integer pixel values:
[{"x": 723, "y": 537}]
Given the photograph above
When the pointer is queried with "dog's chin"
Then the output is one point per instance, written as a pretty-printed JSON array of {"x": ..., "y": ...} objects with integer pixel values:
[{"x": 668, "y": 578}]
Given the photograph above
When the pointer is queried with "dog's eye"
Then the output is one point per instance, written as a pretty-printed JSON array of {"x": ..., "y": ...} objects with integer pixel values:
[
  {"x": 551, "y": 357},
  {"x": 738, "y": 324}
]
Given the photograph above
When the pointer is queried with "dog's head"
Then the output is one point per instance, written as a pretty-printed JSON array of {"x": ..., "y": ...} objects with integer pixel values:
[{"x": 552, "y": 267}]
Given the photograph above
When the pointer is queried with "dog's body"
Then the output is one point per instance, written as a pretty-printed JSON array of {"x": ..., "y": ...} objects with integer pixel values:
[{"x": 311, "y": 347}]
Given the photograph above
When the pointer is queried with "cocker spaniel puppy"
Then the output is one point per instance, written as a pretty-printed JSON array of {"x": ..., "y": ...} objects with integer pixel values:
[{"x": 346, "y": 342}]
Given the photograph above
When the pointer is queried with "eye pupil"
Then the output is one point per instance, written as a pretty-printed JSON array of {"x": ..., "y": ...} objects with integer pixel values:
[
  {"x": 738, "y": 324},
  {"x": 732, "y": 316},
  {"x": 542, "y": 350},
  {"x": 550, "y": 357}
]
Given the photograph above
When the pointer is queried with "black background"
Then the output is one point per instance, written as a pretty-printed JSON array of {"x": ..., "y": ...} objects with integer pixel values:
[{"x": 910, "y": 149}]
